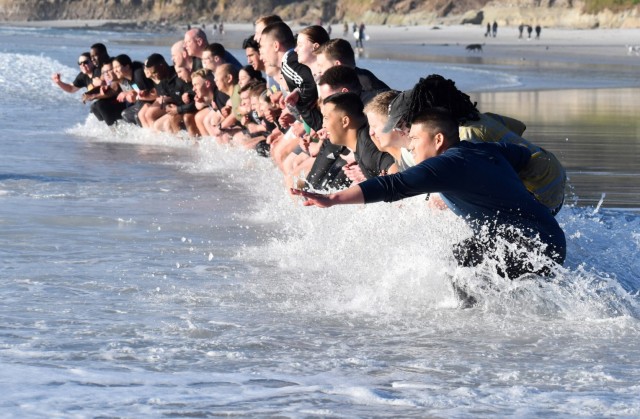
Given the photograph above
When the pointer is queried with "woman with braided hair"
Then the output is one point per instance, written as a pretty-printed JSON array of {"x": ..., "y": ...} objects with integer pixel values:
[{"x": 543, "y": 176}]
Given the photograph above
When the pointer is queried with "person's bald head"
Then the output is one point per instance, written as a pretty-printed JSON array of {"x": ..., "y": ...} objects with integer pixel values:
[{"x": 178, "y": 54}]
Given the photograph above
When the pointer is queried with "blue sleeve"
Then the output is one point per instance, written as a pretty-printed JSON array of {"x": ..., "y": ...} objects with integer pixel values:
[
  {"x": 518, "y": 156},
  {"x": 432, "y": 175}
]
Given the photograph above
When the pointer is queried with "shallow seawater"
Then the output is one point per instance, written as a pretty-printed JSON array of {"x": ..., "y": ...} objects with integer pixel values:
[{"x": 147, "y": 275}]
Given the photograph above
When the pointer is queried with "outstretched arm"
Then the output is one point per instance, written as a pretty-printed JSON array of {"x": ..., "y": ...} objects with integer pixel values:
[
  {"x": 69, "y": 88},
  {"x": 353, "y": 195}
]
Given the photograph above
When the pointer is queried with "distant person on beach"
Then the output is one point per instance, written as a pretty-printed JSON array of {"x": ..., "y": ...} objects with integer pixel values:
[
  {"x": 488, "y": 32},
  {"x": 361, "y": 36},
  {"x": 538, "y": 30},
  {"x": 520, "y": 30},
  {"x": 345, "y": 30},
  {"x": 479, "y": 181},
  {"x": 84, "y": 79},
  {"x": 543, "y": 174},
  {"x": 495, "y": 28},
  {"x": 529, "y": 30}
]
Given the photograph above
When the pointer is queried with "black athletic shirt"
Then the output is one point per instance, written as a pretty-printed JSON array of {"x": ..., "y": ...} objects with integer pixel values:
[
  {"x": 371, "y": 160},
  {"x": 83, "y": 80},
  {"x": 196, "y": 64},
  {"x": 299, "y": 76},
  {"x": 139, "y": 80},
  {"x": 220, "y": 99},
  {"x": 369, "y": 81}
]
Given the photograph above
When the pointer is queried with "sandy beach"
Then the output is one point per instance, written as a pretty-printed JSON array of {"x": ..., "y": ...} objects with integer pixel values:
[{"x": 418, "y": 43}]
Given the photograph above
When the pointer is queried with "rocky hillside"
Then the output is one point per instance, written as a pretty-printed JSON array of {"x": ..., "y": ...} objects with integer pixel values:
[{"x": 557, "y": 13}]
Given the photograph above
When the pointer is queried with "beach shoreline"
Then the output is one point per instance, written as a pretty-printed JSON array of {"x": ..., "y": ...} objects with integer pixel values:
[{"x": 588, "y": 46}]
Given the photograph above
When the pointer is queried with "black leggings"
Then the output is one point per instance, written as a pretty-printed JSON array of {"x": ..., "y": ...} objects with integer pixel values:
[{"x": 107, "y": 110}]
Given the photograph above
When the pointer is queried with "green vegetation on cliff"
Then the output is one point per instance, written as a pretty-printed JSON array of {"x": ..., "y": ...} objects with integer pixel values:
[{"x": 595, "y": 6}]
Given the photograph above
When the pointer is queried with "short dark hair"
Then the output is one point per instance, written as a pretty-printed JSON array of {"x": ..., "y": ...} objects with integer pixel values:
[
  {"x": 230, "y": 69},
  {"x": 439, "y": 120},
  {"x": 155, "y": 60},
  {"x": 338, "y": 50},
  {"x": 340, "y": 77},
  {"x": 253, "y": 73},
  {"x": 280, "y": 32},
  {"x": 123, "y": 59},
  {"x": 347, "y": 102},
  {"x": 250, "y": 43},
  {"x": 216, "y": 49},
  {"x": 100, "y": 49}
]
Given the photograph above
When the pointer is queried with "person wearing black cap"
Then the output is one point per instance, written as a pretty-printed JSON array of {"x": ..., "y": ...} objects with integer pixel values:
[{"x": 479, "y": 182}]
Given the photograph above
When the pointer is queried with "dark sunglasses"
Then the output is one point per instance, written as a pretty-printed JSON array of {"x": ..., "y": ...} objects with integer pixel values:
[{"x": 86, "y": 62}]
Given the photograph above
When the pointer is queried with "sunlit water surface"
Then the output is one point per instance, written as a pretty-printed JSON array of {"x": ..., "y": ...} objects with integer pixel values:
[{"x": 146, "y": 275}]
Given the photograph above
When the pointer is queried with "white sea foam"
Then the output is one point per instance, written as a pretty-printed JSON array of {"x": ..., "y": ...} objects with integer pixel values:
[{"x": 269, "y": 308}]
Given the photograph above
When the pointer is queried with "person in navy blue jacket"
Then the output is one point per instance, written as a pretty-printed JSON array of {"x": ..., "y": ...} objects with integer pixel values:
[{"x": 479, "y": 182}]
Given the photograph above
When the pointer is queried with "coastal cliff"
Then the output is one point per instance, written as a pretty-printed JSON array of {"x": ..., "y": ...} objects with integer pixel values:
[{"x": 548, "y": 13}]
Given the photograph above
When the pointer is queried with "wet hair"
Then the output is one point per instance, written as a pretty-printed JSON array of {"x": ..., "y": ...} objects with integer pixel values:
[
  {"x": 435, "y": 91},
  {"x": 253, "y": 73},
  {"x": 268, "y": 19},
  {"x": 347, "y": 102},
  {"x": 379, "y": 105},
  {"x": 316, "y": 34},
  {"x": 124, "y": 60},
  {"x": 250, "y": 43},
  {"x": 216, "y": 49},
  {"x": 339, "y": 76},
  {"x": 280, "y": 32},
  {"x": 86, "y": 55},
  {"x": 439, "y": 120},
  {"x": 338, "y": 50},
  {"x": 230, "y": 69}
]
